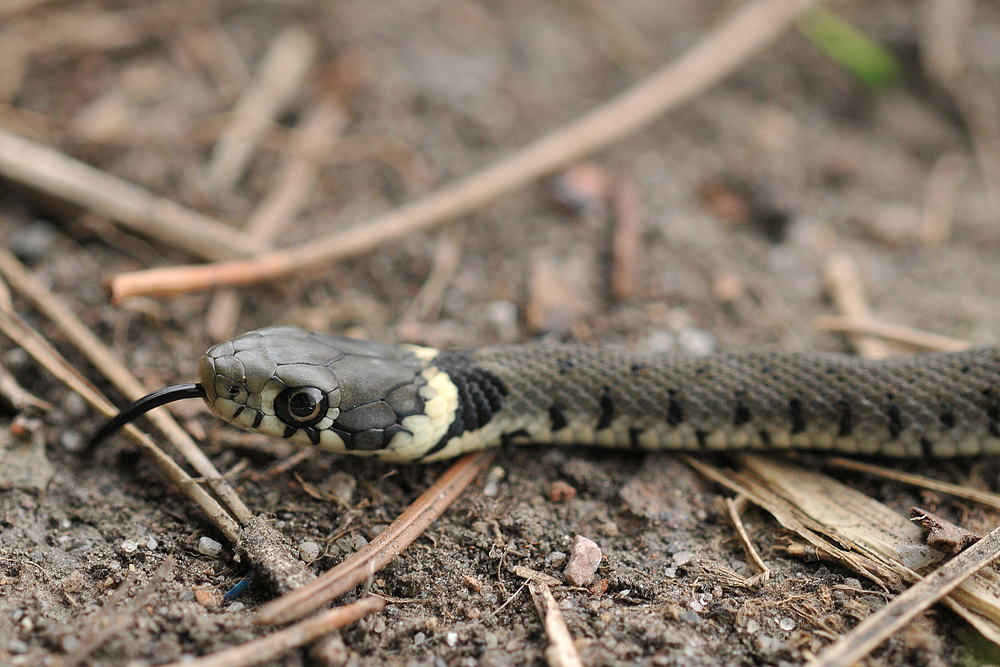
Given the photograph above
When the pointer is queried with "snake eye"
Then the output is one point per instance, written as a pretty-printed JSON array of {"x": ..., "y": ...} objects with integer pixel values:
[{"x": 300, "y": 406}]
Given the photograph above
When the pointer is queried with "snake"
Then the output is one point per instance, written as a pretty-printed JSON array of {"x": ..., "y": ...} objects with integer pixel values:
[{"x": 410, "y": 403}]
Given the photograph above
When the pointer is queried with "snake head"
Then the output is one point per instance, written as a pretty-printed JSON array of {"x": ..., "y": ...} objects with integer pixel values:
[
  {"x": 336, "y": 393},
  {"x": 269, "y": 381}
]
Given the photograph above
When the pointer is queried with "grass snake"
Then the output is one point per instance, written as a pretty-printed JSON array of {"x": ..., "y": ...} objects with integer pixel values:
[{"x": 409, "y": 403}]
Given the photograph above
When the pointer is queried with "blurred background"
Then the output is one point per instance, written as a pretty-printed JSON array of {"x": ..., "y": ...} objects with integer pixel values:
[{"x": 866, "y": 135}]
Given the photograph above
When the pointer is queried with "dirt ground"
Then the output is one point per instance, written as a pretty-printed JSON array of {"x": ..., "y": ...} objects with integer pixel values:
[{"x": 743, "y": 193}]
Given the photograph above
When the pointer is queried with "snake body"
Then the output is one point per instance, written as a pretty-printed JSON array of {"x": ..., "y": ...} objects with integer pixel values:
[{"x": 410, "y": 403}]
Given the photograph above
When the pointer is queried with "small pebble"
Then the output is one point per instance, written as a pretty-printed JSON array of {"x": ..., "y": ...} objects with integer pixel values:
[
  {"x": 209, "y": 547},
  {"x": 207, "y": 597},
  {"x": 30, "y": 243},
  {"x": 308, "y": 551},
  {"x": 236, "y": 607},
  {"x": 585, "y": 557},
  {"x": 17, "y": 646},
  {"x": 451, "y": 638},
  {"x": 379, "y": 626},
  {"x": 660, "y": 341},
  {"x": 503, "y": 316},
  {"x": 129, "y": 546},
  {"x": 74, "y": 405},
  {"x": 493, "y": 478},
  {"x": 71, "y": 441},
  {"x": 683, "y": 557},
  {"x": 375, "y": 531},
  {"x": 584, "y": 189},
  {"x": 358, "y": 541},
  {"x": 419, "y": 639},
  {"x": 786, "y": 624},
  {"x": 556, "y": 559},
  {"x": 560, "y": 492},
  {"x": 342, "y": 486},
  {"x": 151, "y": 543},
  {"x": 696, "y": 341}
]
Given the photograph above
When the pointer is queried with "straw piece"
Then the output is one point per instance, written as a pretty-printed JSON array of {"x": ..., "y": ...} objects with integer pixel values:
[
  {"x": 281, "y": 74},
  {"x": 61, "y": 176}
]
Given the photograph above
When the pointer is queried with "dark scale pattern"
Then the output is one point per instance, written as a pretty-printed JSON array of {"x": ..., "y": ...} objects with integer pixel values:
[
  {"x": 930, "y": 405},
  {"x": 906, "y": 405},
  {"x": 480, "y": 394}
]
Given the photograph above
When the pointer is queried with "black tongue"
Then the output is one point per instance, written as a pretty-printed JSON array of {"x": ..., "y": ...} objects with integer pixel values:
[{"x": 145, "y": 404}]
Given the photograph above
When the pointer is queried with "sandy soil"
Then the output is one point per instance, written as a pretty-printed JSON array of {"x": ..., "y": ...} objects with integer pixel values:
[{"x": 744, "y": 193}]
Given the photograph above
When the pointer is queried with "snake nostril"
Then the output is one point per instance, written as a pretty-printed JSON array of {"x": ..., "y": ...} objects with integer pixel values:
[{"x": 233, "y": 390}]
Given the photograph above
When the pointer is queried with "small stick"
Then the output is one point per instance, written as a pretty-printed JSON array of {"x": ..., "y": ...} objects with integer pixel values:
[
  {"x": 281, "y": 74},
  {"x": 118, "y": 372},
  {"x": 939, "y": 198},
  {"x": 957, "y": 490},
  {"x": 311, "y": 140},
  {"x": 18, "y": 396},
  {"x": 32, "y": 342},
  {"x": 267, "y": 648},
  {"x": 734, "y": 517},
  {"x": 944, "y": 57},
  {"x": 895, "y": 615},
  {"x": 105, "y": 625},
  {"x": 843, "y": 279},
  {"x": 625, "y": 245},
  {"x": 447, "y": 257},
  {"x": 61, "y": 176},
  {"x": 745, "y": 32},
  {"x": 894, "y": 332},
  {"x": 561, "y": 651},
  {"x": 381, "y": 550}
]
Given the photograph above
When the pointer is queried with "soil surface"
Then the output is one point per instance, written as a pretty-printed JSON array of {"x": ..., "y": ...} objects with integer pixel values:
[{"x": 742, "y": 194}]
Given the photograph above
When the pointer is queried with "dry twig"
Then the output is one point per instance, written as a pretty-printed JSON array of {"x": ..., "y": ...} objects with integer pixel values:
[
  {"x": 763, "y": 571},
  {"x": 894, "y": 332},
  {"x": 267, "y": 648},
  {"x": 61, "y": 176},
  {"x": 39, "y": 349},
  {"x": 380, "y": 551},
  {"x": 561, "y": 651},
  {"x": 118, "y": 372},
  {"x": 748, "y": 30},
  {"x": 843, "y": 280},
  {"x": 957, "y": 490},
  {"x": 920, "y": 597},
  {"x": 281, "y": 73}
]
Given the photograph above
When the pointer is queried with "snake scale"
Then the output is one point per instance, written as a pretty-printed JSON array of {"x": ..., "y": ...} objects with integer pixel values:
[{"x": 409, "y": 403}]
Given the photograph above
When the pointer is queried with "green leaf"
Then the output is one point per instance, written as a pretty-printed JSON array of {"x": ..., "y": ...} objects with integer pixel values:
[{"x": 868, "y": 60}]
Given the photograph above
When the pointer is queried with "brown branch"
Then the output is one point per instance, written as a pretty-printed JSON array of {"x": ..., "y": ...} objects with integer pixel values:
[
  {"x": 267, "y": 648},
  {"x": 380, "y": 551},
  {"x": 61, "y": 176},
  {"x": 747, "y": 31}
]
